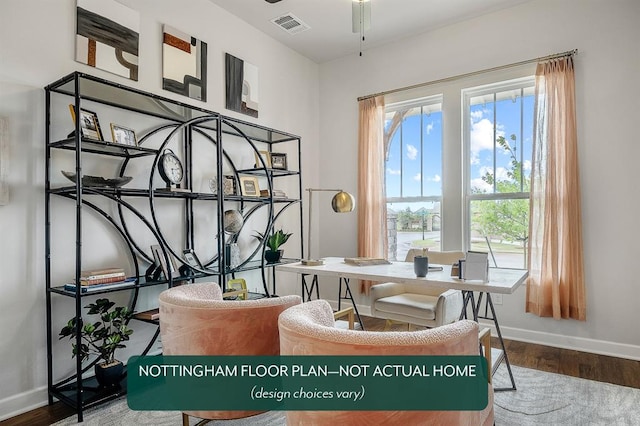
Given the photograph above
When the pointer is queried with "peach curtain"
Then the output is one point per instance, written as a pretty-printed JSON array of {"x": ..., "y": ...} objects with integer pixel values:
[
  {"x": 555, "y": 286},
  {"x": 372, "y": 211}
]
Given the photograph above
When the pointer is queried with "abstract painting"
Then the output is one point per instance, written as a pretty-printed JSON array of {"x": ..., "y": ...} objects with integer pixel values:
[
  {"x": 107, "y": 36},
  {"x": 184, "y": 64},
  {"x": 241, "y": 85}
]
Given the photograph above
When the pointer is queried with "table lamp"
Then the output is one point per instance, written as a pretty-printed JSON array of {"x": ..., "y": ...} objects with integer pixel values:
[{"x": 342, "y": 202}]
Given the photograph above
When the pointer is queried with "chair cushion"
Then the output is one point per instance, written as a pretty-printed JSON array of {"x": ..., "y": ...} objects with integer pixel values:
[{"x": 409, "y": 304}]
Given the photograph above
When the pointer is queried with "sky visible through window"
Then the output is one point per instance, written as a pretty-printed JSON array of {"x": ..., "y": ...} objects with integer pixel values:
[{"x": 414, "y": 161}]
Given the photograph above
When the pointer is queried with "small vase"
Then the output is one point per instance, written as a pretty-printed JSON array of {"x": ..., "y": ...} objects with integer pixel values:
[
  {"x": 421, "y": 266},
  {"x": 109, "y": 375},
  {"x": 273, "y": 256}
]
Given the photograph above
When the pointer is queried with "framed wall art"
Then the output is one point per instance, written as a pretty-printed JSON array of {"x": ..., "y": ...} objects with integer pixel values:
[
  {"x": 107, "y": 36},
  {"x": 241, "y": 86},
  {"x": 184, "y": 64}
]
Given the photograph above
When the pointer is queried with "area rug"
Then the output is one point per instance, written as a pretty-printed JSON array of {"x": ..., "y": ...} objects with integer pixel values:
[{"x": 541, "y": 399}]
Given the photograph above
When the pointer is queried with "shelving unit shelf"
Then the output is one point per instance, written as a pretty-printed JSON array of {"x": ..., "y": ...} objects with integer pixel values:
[{"x": 162, "y": 123}]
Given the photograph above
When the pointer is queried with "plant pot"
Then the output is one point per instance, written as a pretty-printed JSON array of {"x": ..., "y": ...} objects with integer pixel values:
[
  {"x": 109, "y": 374},
  {"x": 273, "y": 256}
]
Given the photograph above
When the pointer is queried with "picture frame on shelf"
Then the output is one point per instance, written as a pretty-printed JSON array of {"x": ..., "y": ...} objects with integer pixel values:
[
  {"x": 237, "y": 289},
  {"x": 279, "y": 160},
  {"x": 123, "y": 136},
  {"x": 158, "y": 258},
  {"x": 229, "y": 185},
  {"x": 265, "y": 156},
  {"x": 192, "y": 259},
  {"x": 89, "y": 124},
  {"x": 249, "y": 186}
]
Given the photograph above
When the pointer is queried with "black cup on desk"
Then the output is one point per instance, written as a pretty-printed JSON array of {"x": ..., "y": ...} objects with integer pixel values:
[{"x": 421, "y": 266}]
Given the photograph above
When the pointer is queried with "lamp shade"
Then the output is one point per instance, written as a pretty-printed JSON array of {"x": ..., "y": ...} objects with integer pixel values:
[{"x": 342, "y": 202}]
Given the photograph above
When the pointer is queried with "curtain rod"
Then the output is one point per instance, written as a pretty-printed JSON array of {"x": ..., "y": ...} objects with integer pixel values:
[{"x": 469, "y": 74}]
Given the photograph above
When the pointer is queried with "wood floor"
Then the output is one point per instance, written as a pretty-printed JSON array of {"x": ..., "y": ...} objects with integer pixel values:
[{"x": 562, "y": 361}]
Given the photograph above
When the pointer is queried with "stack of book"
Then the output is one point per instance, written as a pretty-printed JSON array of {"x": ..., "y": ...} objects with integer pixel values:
[
  {"x": 101, "y": 279},
  {"x": 276, "y": 193}
]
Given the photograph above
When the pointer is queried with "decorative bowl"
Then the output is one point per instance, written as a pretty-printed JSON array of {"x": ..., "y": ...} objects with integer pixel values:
[{"x": 99, "y": 180}]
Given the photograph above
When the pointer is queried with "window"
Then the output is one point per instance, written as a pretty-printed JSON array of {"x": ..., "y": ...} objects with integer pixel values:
[
  {"x": 498, "y": 139},
  {"x": 458, "y": 167},
  {"x": 413, "y": 174}
]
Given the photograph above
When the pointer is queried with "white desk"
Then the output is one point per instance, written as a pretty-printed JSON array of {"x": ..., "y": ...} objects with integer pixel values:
[{"x": 503, "y": 281}]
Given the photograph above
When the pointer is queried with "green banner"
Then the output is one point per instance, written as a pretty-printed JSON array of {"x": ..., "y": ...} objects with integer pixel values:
[{"x": 307, "y": 383}]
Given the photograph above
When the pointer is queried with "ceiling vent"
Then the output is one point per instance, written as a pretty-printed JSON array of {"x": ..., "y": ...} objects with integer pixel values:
[{"x": 290, "y": 23}]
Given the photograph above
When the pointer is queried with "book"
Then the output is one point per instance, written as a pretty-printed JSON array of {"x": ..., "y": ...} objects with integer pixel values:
[
  {"x": 101, "y": 272},
  {"x": 105, "y": 280},
  {"x": 365, "y": 261},
  {"x": 152, "y": 314},
  {"x": 100, "y": 287}
]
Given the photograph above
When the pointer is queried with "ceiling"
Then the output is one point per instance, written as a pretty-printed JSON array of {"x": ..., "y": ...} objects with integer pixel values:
[{"x": 330, "y": 35}]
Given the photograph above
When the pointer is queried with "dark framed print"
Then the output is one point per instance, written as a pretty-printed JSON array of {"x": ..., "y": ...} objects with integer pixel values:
[
  {"x": 249, "y": 186},
  {"x": 191, "y": 259},
  {"x": 123, "y": 136},
  {"x": 89, "y": 125},
  {"x": 279, "y": 160},
  {"x": 266, "y": 157},
  {"x": 158, "y": 257}
]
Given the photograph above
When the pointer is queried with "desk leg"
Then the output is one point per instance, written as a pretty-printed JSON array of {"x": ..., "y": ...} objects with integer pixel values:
[
  {"x": 494, "y": 318},
  {"x": 348, "y": 295},
  {"x": 468, "y": 299},
  {"x": 308, "y": 290}
]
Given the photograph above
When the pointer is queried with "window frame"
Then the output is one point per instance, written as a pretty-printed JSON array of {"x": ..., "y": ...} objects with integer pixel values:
[
  {"x": 422, "y": 102},
  {"x": 469, "y": 197}
]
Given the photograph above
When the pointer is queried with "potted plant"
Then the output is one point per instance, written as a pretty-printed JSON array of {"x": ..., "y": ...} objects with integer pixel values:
[
  {"x": 273, "y": 242},
  {"x": 102, "y": 338}
]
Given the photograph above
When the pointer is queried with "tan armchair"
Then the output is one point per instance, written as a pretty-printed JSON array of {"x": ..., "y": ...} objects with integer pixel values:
[
  {"x": 418, "y": 304},
  {"x": 195, "y": 320},
  {"x": 308, "y": 329}
]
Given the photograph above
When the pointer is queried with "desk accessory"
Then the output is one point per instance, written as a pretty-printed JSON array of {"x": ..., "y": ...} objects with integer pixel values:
[{"x": 342, "y": 202}]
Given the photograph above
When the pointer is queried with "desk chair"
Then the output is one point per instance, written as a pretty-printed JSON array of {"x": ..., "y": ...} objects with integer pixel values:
[
  {"x": 415, "y": 303},
  {"x": 309, "y": 329}
]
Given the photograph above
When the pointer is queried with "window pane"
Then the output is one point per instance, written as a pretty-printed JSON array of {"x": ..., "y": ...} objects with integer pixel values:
[
  {"x": 394, "y": 164},
  {"x": 413, "y": 225},
  {"x": 414, "y": 174},
  {"x": 432, "y": 157},
  {"x": 500, "y": 227},
  {"x": 481, "y": 143},
  {"x": 411, "y": 153}
]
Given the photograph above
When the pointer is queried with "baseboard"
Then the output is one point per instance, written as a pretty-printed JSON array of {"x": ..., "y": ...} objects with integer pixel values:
[
  {"x": 601, "y": 347},
  {"x": 23, "y": 402}
]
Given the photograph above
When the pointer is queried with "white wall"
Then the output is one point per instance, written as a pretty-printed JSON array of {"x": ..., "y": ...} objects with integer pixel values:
[
  {"x": 608, "y": 104},
  {"x": 37, "y": 48}
]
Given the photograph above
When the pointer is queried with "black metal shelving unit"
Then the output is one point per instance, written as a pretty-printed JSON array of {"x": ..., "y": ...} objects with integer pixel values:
[{"x": 80, "y": 390}]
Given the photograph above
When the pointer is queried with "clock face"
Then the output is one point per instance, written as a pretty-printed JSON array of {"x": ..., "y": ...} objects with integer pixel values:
[{"x": 171, "y": 168}]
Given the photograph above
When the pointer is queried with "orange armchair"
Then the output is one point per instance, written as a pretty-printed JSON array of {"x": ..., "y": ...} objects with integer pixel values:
[
  {"x": 308, "y": 329},
  {"x": 195, "y": 320}
]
